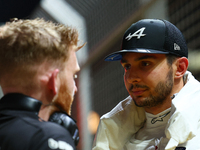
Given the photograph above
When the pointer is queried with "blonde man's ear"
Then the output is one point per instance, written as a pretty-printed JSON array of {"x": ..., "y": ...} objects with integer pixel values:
[{"x": 53, "y": 83}]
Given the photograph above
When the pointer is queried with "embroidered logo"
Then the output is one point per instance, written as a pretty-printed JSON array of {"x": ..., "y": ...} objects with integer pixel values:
[
  {"x": 160, "y": 118},
  {"x": 62, "y": 145},
  {"x": 177, "y": 47},
  {"x": 137, "y": 34}
]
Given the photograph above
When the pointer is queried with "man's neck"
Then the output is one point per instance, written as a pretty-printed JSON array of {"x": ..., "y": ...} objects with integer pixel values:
[
  {"x": 159, "y": 108},
  {"x": 46, "y": 111}
]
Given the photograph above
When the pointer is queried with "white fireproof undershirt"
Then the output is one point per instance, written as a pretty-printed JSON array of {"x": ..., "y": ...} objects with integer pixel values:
[{"x": 154, "y": 126}]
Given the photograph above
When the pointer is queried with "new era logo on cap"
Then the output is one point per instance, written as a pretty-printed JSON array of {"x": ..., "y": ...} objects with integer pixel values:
[{"x": 176, "y": 47}]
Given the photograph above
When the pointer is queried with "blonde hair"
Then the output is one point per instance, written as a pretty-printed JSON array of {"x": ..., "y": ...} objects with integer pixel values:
[{"x": 25, "y": 43}]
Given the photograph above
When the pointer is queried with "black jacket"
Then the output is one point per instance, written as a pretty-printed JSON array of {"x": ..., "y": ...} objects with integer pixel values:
[{"x": 22, "y": 129}]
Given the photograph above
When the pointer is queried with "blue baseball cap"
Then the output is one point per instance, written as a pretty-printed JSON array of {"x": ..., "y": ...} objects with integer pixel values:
[{"x": 153, "y": 36}]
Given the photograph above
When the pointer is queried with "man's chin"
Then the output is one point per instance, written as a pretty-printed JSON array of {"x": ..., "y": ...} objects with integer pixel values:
[{"x": 138, "y": 101}]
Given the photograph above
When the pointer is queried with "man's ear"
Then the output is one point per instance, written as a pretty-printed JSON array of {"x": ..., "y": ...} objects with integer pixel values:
[
  {"x": 53, "y": 81},
  {"x": 182, "y": 65}
]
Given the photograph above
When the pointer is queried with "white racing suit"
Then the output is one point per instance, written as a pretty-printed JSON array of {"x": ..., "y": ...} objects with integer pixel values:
[{"x": 117, "y": 128}]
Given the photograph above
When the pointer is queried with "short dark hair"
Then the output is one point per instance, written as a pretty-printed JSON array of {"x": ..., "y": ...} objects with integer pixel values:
[{"x": 171, "y": 58}]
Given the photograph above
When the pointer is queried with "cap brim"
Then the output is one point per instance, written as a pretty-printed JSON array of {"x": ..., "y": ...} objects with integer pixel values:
[{"x": 118, "y": 55}]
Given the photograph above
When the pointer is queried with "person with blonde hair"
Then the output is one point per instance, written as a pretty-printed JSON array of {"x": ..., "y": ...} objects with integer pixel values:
[{"x": 38, "y": 66}]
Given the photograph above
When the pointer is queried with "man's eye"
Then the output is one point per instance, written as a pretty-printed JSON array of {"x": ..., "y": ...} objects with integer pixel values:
[
  {"x": 75, "y": 76},
  {"x": 145, "y": 63},
  {"x": 127, "y": 67}
]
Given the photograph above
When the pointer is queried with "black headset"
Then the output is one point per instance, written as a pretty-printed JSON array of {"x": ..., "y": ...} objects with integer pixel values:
[{"x": 67, "y": 122}]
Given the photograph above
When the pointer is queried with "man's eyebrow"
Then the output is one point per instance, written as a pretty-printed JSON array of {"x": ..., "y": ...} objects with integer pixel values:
[
  {"x": 145, "y": 57},
  {"x": 123, "y": 60},
  {"x": 140, "y": 58}
]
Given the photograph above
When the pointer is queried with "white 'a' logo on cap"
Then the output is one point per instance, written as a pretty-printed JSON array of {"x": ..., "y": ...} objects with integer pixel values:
[{"x": 137, "y": 34}]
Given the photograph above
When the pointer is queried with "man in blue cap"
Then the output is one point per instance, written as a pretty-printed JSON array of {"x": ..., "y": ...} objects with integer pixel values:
[{"x": 164, "y": 96}]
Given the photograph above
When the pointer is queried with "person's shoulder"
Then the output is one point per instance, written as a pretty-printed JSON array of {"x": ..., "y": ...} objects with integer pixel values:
[
  {"x": 46, "y": 126},
  {"x": 27, "y": 130},
  {"x": 50, "y": 128},
  {"x": 54, "y": 136}
]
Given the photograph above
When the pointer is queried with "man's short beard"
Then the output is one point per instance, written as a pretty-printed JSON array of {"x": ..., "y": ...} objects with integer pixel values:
[
  {"x": 162, "y": 90},
  {"x": 63, "y": 100}
]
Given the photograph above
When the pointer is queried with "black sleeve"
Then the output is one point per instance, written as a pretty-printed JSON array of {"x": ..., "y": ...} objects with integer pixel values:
[{"x": 54, "y": 137}]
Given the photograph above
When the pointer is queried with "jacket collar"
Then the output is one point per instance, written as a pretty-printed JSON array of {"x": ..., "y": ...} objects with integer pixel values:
[{"x": 17, "y": 101}]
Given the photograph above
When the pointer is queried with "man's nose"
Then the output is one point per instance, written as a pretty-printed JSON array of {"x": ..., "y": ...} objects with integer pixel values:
[{"x": 133, "y": 76}]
